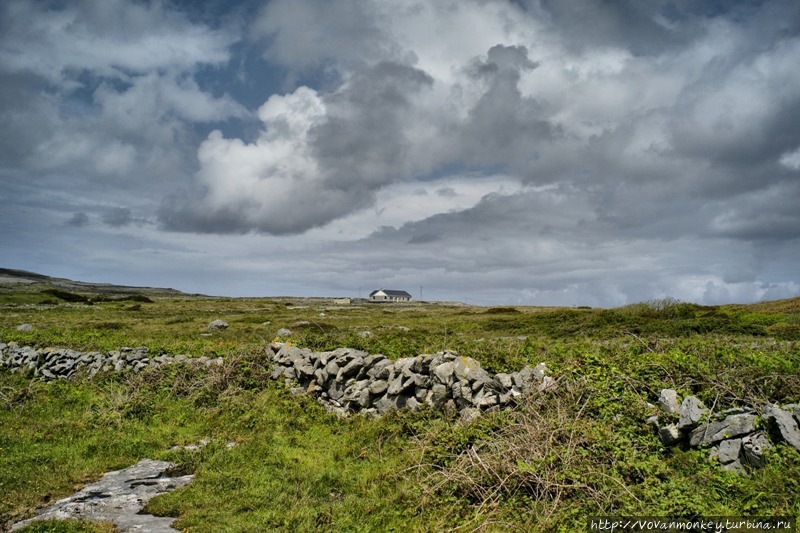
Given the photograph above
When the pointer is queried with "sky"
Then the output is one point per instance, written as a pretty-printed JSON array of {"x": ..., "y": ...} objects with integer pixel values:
[{"x": 518, "y": 152}]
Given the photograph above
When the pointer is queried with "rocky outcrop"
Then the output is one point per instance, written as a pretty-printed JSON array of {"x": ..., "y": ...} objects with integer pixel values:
[
  {"x": 734, "y": 436},
  {"x": 62, "y": 363},
  {"x": 118, "y": 497},
  {"x": 348, "y": 381}
]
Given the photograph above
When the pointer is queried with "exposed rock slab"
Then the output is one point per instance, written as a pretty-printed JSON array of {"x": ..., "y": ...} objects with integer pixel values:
[
  {"x": 732, "y": 426},
  {"x": 118, "y": 497}
]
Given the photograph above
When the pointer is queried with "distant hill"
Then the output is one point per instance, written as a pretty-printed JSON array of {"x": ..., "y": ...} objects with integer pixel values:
[
  {"x": 788, "y": 305},
  {"x": 15, "y": 278}
]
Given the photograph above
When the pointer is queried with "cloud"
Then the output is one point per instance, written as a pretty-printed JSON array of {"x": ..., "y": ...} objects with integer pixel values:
[
  {"x": 78, "y": 220},
  {"x": 111, "y": 38},
  {"x": 590, "y": 152},
  {"x": 791, "y": 160},
  {"x": 118, "y": 217},
  {"x": 274, "y": 184},
  {"x": 651, "y": 136},
  {"x": 105, "y": 93},
  {"x": 346, "y": 32}
]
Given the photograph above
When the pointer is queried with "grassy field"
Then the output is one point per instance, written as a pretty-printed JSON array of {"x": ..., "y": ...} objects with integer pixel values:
[{"x": 551, "y": 463}]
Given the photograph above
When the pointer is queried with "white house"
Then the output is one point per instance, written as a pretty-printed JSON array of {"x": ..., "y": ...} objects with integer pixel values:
[{"x": 387, "y": 295}]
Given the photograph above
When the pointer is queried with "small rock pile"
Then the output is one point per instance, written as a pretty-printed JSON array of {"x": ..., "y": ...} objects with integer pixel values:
[
  {"x": 348, "y": 380},
  {"x": 734, "y": 435},
  {"x": 61, "y": 363}
]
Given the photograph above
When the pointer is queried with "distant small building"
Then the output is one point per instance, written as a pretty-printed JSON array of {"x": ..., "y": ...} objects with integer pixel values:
[{"x": 388, "y": 295}]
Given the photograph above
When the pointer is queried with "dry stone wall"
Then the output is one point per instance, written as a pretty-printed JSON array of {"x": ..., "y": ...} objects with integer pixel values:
[
  {"x": 61, "y": 363},
  {"x": 348, "y": 381}
]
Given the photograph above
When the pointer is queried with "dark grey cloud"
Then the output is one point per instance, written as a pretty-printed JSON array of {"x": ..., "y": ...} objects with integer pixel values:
[
  {"x": 305, "y": 34},
  {"x": 118, "y": 217},
  {"x": 78, "y": 219},
  {"x": 586, "y": 24},
  {"x": 504, "y": 127},
  {"x": 364, "y": 143}
]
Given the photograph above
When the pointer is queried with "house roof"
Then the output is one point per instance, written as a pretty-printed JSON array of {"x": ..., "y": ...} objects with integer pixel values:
[{"x": 390, "y": 292}]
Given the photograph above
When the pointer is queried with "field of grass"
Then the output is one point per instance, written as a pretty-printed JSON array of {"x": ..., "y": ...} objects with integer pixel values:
[{"x": 547, "y": 465}]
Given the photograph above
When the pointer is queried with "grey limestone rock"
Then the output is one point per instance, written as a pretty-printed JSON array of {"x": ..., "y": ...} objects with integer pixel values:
[
  {"x": 469, "y": 414},
  {"x": 389, "y": 402},
  {"x": 504, "y": 380},
  {"x": 439, "y": 395},
  {"x": 381, "y": 369},
  {"x": 218, "y": 324},
  {"x": 378, "y": 387},
  {"x": 118, "y": 497},
  {"x": 444, "y": 372},
  {"x": 691, "y": 412},
  {"x": 785, "y": 423},
  {"x": 547, "y": 384},
  {"x": 351, "y": 368},
  {"x": 669, "y": 435},
  {"x": 668, "y": 401},
  {"x": 729, "y": 450},
  {"x": 468, "y": 369},
  {"x": 733, "y": 426},
  {"x": 736, "y": 467},
  {"x": 753, "y": 449},
  {"x": 25, "y": 327},
  {"x": 284, "y": 332},
  {"x": 399, "y": 384}
]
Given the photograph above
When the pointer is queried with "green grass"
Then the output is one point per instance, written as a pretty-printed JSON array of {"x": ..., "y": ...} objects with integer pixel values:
[{"x": 547, "y": 465}]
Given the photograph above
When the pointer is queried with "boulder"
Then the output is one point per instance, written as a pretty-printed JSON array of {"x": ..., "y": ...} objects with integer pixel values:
[
  {"x": 421, "y": 394},
  {"x": 283, "y": 332},
  {"x": 218, "y": 324},
  {"x": 25, "y": 327}
]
